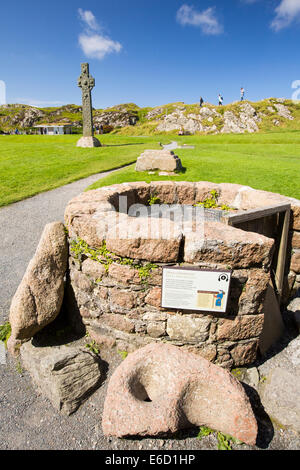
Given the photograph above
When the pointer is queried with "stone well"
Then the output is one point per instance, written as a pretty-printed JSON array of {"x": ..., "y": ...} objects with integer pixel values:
[{"x": 116, "y": 260}]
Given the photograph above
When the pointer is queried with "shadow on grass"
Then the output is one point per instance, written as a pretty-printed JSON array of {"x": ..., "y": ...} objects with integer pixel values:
[{"x": 123, "y": 145}]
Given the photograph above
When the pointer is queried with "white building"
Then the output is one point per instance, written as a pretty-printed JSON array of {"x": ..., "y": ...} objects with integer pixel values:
[{"x": 54, "y": 129}]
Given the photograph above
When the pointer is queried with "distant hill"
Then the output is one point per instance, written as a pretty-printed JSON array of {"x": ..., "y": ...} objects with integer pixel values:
[{"x": 130, "y": 119}]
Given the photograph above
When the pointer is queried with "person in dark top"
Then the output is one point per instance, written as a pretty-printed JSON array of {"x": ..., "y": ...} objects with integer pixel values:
[{"x": 201, "y": 101}]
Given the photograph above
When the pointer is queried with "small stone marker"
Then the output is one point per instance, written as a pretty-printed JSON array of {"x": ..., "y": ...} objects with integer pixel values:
[
  {"x": 86, "y": 82},
  {"x": 67, "y": 376},
  {"x": 162, "y": 160}
]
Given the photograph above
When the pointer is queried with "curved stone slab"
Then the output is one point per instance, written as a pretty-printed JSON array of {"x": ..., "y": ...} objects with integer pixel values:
[{"x": 160, "y": 389}]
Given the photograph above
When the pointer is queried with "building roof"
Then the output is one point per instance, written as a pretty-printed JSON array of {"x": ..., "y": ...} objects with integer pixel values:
[{"x": 54, "y": 124}]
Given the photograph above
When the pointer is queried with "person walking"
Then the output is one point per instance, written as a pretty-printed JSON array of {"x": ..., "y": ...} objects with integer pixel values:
[
  {"x": 201, "y": 101},
  {"x": 220, "y": 99},
  {"x": 242, "y": 94}
]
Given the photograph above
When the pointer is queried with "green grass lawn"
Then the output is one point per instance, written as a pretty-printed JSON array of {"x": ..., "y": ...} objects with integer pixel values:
[
  {"x": 33, "y": 164},
  {"x": 263, "y": 161}
]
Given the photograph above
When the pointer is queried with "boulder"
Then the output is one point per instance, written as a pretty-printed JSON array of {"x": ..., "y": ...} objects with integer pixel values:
[
  {"x": 38, "y": 299},
  {"x": 65, "y": 375},
  {"x": 283, "y": 111},
  {"x": 162, "y": 160},
  {"x": 279, "y": 392},
  {"x": 160, "y": 389}
]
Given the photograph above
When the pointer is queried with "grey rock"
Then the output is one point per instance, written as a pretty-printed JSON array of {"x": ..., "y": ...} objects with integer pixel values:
[
  {"x": 65, "y": 375},
  {"x": 251, "y": 377},
  {"x": 293, "y": 310},
  {"x": 283, "y": 111},
  {"x": 279, "y": 393},
  {"x": 158, "y": 160},
  {"x": 280, "y": 398}
]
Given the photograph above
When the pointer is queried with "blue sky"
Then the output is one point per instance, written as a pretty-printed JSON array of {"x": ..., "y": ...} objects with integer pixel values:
[{"x": 149, "y": 52}]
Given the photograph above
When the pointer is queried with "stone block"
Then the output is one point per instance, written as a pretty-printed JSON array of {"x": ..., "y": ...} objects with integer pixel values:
[
  {"x": 117, "y": 321},
  {"x": 296, "y": 240},
  {"x": 239, "y": 328},
  {"x": 183, "y": 327},
  {"x": 295, "y": 261},
  {"x": 185, "y": 192},
  {"x": 165, "y": 191},
  {"x": 122, "y": 298},
  {"x": 156, "y": 329},
  {"x": 158, "y": 160},
  {"x": 152, "y": 240},
  {"x": 229, "y": 246},
  {"x": 124, "y": 274},
  {"x": 93, "y": 268},
  {"x": 280, "y": 397},
  {"x": 154, "y": 297},
  {"x": 88, "y": 142}
]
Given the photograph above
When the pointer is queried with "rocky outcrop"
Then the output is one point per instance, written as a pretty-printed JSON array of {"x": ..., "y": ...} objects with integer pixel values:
[
  {"x": 160, "y": 389},
  {"x": 246, "y": 121},
  {"x": 113, "y": 119},
  {"x": 38, "y": 299},
  {"x": 243, "y": 119},
  {"x": 179, "y": 121},
  {"x": 236, "y": 117},
  {"x": 27, "y": 117},
  {"x": 65, "y": 375},
  {"x": 283, "y": 111}
]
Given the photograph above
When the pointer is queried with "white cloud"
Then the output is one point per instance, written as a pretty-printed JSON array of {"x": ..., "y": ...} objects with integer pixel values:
[
  {"x": 286, "y": 12},
  {"x": 2, "y": 92},
  {"x": 88, "y": 19},
  {"x": 97, "y": 47},
  {"x": 206, "y": 19},
  {"x": 38, "y": 103},
  {"x": 92, "y": 41}
]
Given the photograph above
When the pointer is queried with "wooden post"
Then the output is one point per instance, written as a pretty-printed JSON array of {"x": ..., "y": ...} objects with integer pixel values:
[{"x": 280, "y": 270}]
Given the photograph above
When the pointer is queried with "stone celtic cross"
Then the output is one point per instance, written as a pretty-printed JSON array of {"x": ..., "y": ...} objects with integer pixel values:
[{"x": 86, "y": 82}]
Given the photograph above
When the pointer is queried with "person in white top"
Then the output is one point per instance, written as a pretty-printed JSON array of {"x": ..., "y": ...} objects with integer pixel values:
[{"x": 220, "y": 100}]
